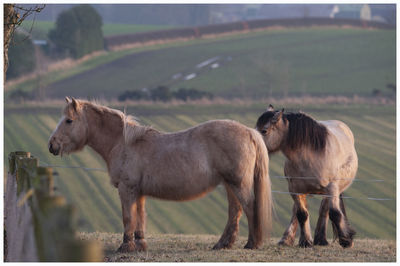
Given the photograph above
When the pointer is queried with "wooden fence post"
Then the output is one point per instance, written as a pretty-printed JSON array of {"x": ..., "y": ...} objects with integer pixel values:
[
  {"x": 54, "y": 220},
  {"x": 26, "y": 167},
  {"x": 43, "y": 181},
  {"x": 11, "y": 159}
]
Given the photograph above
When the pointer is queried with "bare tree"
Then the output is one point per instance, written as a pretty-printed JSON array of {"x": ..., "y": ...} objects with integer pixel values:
[{"x": 13, "y": 17}]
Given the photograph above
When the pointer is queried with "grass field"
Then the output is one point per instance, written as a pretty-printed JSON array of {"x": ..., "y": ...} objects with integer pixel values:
[
  {"x": 317, "y": 61},
  {"x": 28, "y": 128},
  {"x": 312, "y": 61},
  {"x": 40, "y": 29},
  {"x": 197, "y": 248}
]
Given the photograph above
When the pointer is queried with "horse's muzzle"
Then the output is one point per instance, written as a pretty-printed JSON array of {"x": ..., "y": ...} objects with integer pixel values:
[{"x": 52, "y": 150}]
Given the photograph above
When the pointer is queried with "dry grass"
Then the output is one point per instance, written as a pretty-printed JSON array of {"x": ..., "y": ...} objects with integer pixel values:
[
  {"x": 197, "y": 248},
  {"x": 301, "y": 100}
]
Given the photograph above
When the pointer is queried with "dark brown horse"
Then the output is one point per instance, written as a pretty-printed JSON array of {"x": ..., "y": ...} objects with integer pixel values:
[
  {"x": 179, "y": 166},
  {"x": 321, "y": 159}
]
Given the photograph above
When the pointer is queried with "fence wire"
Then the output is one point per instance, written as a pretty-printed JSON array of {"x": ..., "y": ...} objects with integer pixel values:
[
  {"x": 273, "y": 191},
  {"x": 330, "y": 196},
  {"x": 73, "y": 167}
]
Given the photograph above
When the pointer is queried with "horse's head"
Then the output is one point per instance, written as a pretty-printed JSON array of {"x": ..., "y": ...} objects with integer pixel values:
[
  {"x": 273, "y": 127},
  {"x": 71, "y": 132}
]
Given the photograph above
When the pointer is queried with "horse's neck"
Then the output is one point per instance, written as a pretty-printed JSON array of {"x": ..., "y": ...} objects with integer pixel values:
[
  {"x": 289, "y": 153},
  {"x": 105, "y": 131}
]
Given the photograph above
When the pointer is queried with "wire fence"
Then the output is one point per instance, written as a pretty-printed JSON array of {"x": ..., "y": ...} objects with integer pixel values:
[
  {"x": 273, "y": 191},
  {"x": 330, "y": 196},
  {"x": 73, "y": 167}
]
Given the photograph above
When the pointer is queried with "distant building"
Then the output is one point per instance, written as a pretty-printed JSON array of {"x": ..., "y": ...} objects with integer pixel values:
[
  {"x": 349, "y": 11},
  {"x": 375, "y": 12}
]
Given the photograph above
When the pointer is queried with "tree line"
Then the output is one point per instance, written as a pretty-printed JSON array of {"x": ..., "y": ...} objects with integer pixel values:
[
  {"x": 77, "y": 33},
  {"x": 163, "y": 93}
]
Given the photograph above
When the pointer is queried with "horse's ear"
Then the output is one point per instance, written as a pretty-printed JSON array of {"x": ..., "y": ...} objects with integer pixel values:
[
  {"x": 277, "y": 116},
  {"x": 67, "y": 99},
  {"x": 75, "y": 104},
  {"x": 270, "y": 108}
]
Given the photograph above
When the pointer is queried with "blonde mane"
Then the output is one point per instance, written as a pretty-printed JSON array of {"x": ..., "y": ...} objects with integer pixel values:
[{"x": 131, "y": 129}]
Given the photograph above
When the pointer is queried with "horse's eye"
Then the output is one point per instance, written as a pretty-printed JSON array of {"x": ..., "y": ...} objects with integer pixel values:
[
  {"x": 264, "y": 131},
  {"x": 68, "y": 121}
]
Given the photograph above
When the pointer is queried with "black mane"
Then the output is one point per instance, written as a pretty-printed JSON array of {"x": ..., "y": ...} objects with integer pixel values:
[{"x": 303, "y": 131}]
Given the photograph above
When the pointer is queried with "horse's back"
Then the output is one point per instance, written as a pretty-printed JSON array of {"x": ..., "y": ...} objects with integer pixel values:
[
  {"x": 339, "y": 129},
  {"x": 228, "y": 137},
  {"x": 342, "y": 149},
  {"x": 223, "y": 131}
]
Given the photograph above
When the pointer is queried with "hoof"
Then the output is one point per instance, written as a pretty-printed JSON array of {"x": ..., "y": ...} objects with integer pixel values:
[
  {"x": 126, "y": 247},
  {"x": 303, "y": 243},
  {"x": 346, "y": 243},
  {"x": 286, "y": 242},
  {"x": 251, "y": 245},
  {"x": 141, "y": 245},
  {"x": 320, "y": 242},
  {"x": 220, "y": 245}
]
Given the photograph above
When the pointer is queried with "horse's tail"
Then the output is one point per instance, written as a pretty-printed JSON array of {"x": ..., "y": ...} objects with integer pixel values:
[{"x": 262, "y": 191}]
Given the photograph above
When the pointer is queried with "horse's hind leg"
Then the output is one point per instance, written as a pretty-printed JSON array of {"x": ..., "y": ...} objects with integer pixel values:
[
  {"x": 302, "y": 215},
  {"x": 290, "y": 233},
  {"x": 337, "y": 215},
  {"x": 320, "y": 230},
  {"x": 247, "y": 200},
  {"x": 232, "y": 227},
  {"x": 350, "y": 230},
  {"x": 140, "y": 242}
]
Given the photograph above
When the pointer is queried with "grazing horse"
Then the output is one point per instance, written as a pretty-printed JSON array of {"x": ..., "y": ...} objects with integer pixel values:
[
  {"x": 320, "y": 159},
  {"x": 184, "y": 165}
]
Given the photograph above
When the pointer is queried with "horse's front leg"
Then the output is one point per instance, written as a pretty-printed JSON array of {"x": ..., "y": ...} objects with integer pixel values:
[
  {"x": 320, "y": 230},
  {"x": 128, "y": 197},
  {"x": 140, "y": 242},
  {"x": 302, "y": 215}
]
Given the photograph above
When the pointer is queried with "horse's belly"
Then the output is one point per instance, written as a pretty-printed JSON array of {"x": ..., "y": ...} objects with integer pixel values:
[
  {"x": 180, "y": 195},
  {"x": 180, "y": 189},
  {"x": 299, "y": 185}
]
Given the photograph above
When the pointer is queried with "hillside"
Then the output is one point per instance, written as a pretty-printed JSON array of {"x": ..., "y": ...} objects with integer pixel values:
[
  {"x": 28, "y": 128},
  {"x": 308, "y": 61},
  {"x": 197, "y": 248}
]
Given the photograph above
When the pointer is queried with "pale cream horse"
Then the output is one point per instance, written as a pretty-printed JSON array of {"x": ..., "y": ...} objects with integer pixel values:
[
  {"x": 321, "y": 159},
  {"x": 179, "y": 166}
]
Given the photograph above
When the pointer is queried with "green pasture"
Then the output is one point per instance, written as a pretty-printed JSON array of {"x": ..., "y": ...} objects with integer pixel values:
[
  {"x": 374, "y": 126},
  {"x": 294, "y": 62},
  {"x": 286, "y": 62}
]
